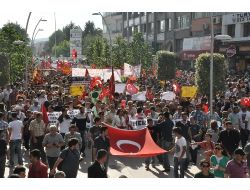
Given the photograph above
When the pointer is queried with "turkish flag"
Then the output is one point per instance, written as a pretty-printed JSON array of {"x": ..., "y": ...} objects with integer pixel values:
[
  {"x": 45, "y": 115},
  {"x": 131, "y": 89},
  {"x": 112, "y": 83},
  {"x": 132, "y": 143},
  {"x": 105, "y": 92},
  {"x": 95, "y": 81},
  {"x": 245, "y": 101}
]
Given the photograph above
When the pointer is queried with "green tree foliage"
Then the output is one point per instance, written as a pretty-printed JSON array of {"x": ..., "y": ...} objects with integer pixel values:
[
  {"x": 4, "y": 72},
  {"x": 202, "y": 73},
  {"x": 63, "y": 48},
  {"x": 134, "y": 53},
  {"x": 15, "y": 54},
  {"x": 66, "y": 30},
  {"x": 166, "y": 65}
]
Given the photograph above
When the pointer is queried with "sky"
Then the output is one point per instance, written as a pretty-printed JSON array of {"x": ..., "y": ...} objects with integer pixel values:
[{"x": 62, "y": 19}]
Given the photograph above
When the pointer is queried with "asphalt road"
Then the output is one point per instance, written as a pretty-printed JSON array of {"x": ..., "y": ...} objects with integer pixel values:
[{"x": 130, "y": 167}]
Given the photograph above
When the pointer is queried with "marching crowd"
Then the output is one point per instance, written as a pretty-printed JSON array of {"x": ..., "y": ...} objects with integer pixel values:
[{"x": 184, "y": 127}]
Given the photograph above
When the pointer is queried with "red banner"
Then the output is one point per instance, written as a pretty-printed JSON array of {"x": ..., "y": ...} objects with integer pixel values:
[{"x": 132, "y": 143}]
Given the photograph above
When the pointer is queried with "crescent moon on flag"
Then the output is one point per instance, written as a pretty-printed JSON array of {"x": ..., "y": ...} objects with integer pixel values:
[{"x": 121, "y": 142}]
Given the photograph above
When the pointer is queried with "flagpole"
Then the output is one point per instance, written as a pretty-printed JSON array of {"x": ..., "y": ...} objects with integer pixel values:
[{"x": 55, "y": 32}]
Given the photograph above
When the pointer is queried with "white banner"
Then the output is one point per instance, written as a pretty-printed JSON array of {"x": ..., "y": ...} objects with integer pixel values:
[
  {"x": 138, "y": 123},
  {"x": 105, "y": 74},
  {"x": 120, "y": 88},
  {"x": 73, "y": 113},
  {"x": 140, "y": 96},
  {"x": 169, "y": 96},
  {"x": 130, "y": 70},
  {"x": 53, "y": 116}
]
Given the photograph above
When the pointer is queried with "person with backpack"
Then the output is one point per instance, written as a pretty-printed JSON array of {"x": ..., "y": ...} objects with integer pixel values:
[{"x": 68, "y": 161}]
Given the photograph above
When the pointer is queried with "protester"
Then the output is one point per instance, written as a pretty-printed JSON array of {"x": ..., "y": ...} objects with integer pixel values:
[
  {"x": 16, "y": 133},
  {"x": 180, "y": 154},
  {"x": 97, "y": 169},
  {"x": 205, "y": 173},
  {"x": 37, "y": 169},
  {"x": 229, "y": 138},
  {"x": 102, "y": 142},
  {"x": 237, "y": 167},
  {"x": 219, "y": 161},
  {"x": 20, "y": 170},
  {"x": 59, "y": 174},
  {"x": 37, "y": 131},
  {"x": 69, "y": 160},
  {"x": 3, "y": 152},
  {"x": 52, "y": 141}
]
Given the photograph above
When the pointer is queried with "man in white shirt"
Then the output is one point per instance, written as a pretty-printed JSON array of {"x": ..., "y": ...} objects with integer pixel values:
[
  {"x": 180, "y": 153},
  {"x": 16, "y": 133}
]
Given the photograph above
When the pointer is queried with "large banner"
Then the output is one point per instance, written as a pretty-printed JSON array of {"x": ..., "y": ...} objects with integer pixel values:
[
  {"x": 130, "y": 70},
  {"x": 105, "y": 74},
  {"x": 137, "y": 124},
  {"x": 53, "y": 117},
  {"x": 188, "y": 91},
  {"x": 132, "y": 143}
]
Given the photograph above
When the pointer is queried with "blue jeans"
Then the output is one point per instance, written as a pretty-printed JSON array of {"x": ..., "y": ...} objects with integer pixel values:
[
  {"x": 182, "y": 164},
  {"x": 166, "y": 146},
  {"x": 15, "y": 147}
]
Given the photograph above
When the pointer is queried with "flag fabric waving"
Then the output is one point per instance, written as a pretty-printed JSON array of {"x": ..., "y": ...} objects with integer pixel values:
[
  {"x": 45, "y": 115},
  {"x": 132, "y": 143},
  {"x": 131, "y": 89},
  {"x": 112, "y": 84},
  {"x": 245, "y": 101}
]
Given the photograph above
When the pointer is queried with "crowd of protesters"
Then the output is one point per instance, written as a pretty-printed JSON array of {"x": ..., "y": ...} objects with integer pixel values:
[{"x": 184, "y": 127}]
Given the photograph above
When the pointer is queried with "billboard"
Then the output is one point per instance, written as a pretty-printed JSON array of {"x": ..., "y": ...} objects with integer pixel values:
[{"x": 76, "y": 41}]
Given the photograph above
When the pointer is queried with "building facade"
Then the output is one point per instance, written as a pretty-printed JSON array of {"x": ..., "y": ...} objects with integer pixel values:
[{"x": 237, "y": 25}]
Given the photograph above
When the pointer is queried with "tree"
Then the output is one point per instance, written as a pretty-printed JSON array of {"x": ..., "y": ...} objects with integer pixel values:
[
  {"x": 63, "y": 48},
  {"x": 4, "y": 76},
  {"x": 66, "y": 30},
  {"x": 119, "y": 52},
  {"x": 166, "y": 65},
  {"x": 89, "y": 35},
  {"x": 139, "y": 51},
  {"x": 17, "y": 55},
  {"x": 59, "y": 38},
  {"x": 202, "y": 73}
]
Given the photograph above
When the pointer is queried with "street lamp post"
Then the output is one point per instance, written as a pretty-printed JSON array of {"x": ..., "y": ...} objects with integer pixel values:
[
  {"x": 110, "y": 42},
  {"x": 37, "y": 33},
  {"x": 213, "y": 38}
]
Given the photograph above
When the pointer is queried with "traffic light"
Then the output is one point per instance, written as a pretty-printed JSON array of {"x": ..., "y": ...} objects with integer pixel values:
[{"x": 74, "y": 54}]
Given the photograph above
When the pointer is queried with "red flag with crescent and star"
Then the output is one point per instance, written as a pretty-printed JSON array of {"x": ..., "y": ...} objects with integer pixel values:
[
  {"x": 245, "y": 101},
  {"x": 132, "y": 143},
  {"x": 131, "y": 89}
]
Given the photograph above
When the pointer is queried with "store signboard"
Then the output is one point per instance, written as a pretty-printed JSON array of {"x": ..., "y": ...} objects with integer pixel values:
[
  {"x": 236, "y": 18},
  {"x": 197, "y": 43}
]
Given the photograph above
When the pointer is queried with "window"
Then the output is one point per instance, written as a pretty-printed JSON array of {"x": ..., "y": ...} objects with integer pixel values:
[
  {"x": 152, "y": 27},
  {"x": 169, "y": 24},
  {"x": 162, "y": 26},
  {"x": 231, "y": 30},
  {"x": 197, "y": 15},
  {"x": 178, "y": 44},
  {"x": 143, "y": 28},
  {"x": 246, "y": 32},
  {"x": 183, "y": 22}
]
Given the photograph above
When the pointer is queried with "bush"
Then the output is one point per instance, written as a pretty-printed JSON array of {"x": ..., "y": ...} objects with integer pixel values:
[
  {"x": 202, "y": 73},
  {"x": 166, "y": 65}
]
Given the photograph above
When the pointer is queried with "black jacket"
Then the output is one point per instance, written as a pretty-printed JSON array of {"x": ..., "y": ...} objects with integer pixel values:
[
  {"x": 96, "y": 171},
  {"x": 229, "y": 139}
]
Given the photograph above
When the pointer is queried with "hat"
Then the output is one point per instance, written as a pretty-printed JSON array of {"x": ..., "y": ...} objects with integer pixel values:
[{"x": 240, "y": 152}]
